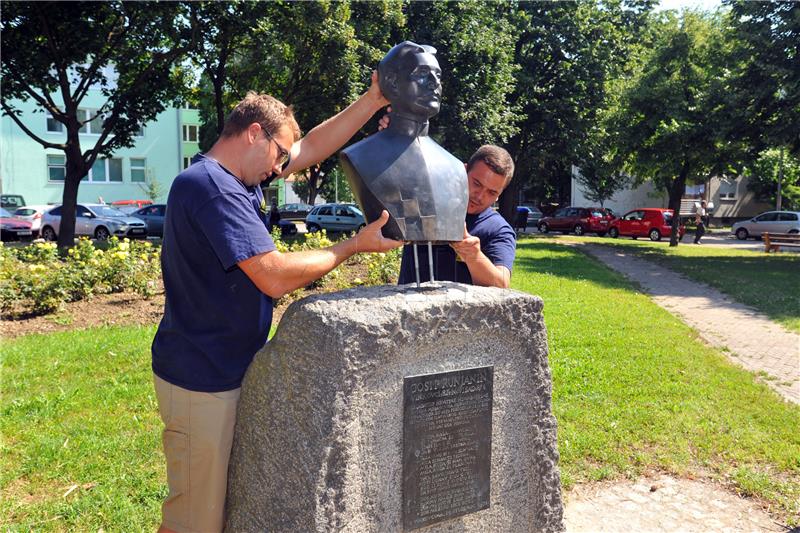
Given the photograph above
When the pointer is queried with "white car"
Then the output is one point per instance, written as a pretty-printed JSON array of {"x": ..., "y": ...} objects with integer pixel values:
[
  {"x": 33, "y": 214},
  {"x": 99, "y": 221},
  {"x": 769, "y": 222}
]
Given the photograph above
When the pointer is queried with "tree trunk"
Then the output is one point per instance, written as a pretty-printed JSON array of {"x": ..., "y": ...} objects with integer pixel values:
[
  {"x": 508, "y": 202},
  {"x": 314, "y": 180},
  {"x": 218, "y": 104},
  {"x": 76, "y": 170},
  {"x": 675, "y": 195}
]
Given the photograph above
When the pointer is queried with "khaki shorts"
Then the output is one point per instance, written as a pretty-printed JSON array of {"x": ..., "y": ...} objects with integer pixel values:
[{"x": 198, "y": 433}]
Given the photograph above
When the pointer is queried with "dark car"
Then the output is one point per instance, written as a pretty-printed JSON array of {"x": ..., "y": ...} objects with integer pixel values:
[
  {"x": 294, "y": 211},
  {"x": 14, "y": 229},
  {"x": 649, "y": 222},
  {"x": 11, "y": 200},
  {"x": 531, "y": 215},
  {"x": 153, "y": 216},
  {"x": 579, "y": 220}
]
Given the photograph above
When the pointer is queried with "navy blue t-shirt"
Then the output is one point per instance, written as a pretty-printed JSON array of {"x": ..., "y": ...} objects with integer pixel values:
[
  {"x": 498, "y": 243},
  {"x": 215, "y": 318}
]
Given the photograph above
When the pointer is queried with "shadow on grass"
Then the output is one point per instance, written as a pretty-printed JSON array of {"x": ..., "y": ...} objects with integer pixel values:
[{"x": 542, "y": 256}]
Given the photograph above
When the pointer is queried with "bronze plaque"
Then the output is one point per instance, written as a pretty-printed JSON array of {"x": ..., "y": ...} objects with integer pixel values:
[{"x": 447, "y": 445}]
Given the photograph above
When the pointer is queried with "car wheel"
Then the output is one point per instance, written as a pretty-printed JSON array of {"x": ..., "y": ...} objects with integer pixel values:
[
  {"x": 543, "y": 227},
  {"x": 655, "y": 235},
  {"x": 613, "y": 233},
  {"x": 49, "y": 234},
  {"x": 742, "y": 234},
  {"x": 634, "y": 237},
  {"x": 578, "y": 229},
  {"x": 101, "y": 233},
  {"x": 313, "y": 228}
]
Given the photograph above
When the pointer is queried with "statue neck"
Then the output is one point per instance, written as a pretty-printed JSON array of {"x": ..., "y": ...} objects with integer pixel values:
[{"x": 407, "y": 125}]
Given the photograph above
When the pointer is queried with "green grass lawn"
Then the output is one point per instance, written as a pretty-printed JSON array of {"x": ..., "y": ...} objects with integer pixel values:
[
  {"x": 769, "y": 283},
  {"x": 634, "y": 391}
]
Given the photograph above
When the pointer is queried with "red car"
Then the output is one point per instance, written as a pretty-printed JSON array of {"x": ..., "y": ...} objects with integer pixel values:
[
  {"x": 646, "y": 222},
  {"x": 578, "y": 219},
  {"x": 14, "y": 229}
]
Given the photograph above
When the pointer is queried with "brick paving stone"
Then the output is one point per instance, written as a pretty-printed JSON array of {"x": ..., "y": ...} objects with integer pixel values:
[
  {"x": 745, "y": 336},
  {"x": 621, "y": 508}
]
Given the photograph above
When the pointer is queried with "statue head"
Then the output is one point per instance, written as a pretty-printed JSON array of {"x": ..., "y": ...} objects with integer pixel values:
[{"x": 410, "y": 78}]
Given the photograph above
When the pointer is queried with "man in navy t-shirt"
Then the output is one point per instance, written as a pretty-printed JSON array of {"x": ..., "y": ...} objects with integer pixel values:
[
  {"x": 486, "y": 255},
  {"x": 221, "y": 271}
]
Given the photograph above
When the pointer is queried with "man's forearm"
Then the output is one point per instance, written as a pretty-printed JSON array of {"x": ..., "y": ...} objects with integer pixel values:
[
  {"x": 486, "y": 274},
  {"x": 329, "y": 136},
  {"x": 276, "y": 274}
]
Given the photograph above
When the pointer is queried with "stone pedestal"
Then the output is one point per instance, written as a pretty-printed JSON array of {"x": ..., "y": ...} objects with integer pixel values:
[{"x": 319, "y": 436}]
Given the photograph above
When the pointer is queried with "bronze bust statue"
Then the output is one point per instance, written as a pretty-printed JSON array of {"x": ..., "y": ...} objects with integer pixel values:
[{"x": 401, "y": 169}]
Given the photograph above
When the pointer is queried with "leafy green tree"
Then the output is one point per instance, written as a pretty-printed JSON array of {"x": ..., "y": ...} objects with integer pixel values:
[
  {"x": 772, "y": 165},
  {"x": 669, "y": 119},
  {"x": 55, "y": 52},
  {"x": 567, "y": 53},
  {"x": 763, "y": 89}
]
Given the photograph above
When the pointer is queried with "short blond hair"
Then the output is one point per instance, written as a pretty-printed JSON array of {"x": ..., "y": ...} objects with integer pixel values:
[{"x": 270, "y": 113}]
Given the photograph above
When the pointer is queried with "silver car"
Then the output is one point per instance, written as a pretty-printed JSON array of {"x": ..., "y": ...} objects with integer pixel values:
[
  {"x": 335, "y": 217},
  {"x": 100, "y": 221},
  {"x": 769, "y": 222}
]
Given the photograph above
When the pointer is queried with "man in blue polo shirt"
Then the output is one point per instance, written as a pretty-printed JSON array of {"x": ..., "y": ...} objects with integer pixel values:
[
  {"x": 486, "y": 255},
  {"x": 221, "y": 271}
]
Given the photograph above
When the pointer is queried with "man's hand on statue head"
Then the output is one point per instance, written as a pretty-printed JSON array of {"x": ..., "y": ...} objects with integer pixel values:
[
  {"x": 469, "y": 248},
  {"x": 370, "y": 238},
  {"x": 383, "y": 123},
  {"x": 375, "y": 90}
]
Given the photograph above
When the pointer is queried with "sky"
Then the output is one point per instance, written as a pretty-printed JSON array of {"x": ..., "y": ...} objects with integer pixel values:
[{"x": 705, "y": 5}]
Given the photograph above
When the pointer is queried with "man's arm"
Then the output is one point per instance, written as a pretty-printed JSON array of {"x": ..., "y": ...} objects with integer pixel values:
[
  {"x": 329, "y": 136},
  {"x": 276, "y": 274},
  {"x": 481, "y": 269}
]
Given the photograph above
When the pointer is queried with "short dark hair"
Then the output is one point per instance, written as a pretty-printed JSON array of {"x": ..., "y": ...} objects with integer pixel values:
[
  {"x": 270, "y": 113},
  {"x": 496, "y": 158}
]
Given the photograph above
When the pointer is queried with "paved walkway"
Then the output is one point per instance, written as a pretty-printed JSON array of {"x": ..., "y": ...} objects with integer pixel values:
[{"x": 749, "y": 337}]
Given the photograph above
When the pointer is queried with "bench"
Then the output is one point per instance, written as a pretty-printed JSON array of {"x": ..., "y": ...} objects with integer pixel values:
[{"x": 774, "y": 241}]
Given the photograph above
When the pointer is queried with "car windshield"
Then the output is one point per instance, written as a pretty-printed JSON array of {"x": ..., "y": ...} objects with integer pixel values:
[
  {"x": 107, "y": 211},
  {"x": 4, "y": 213},
  {"x": 667, "y": 217},
  {"x": 598, "y": 213},
  {"x": 356, "y": 210}
]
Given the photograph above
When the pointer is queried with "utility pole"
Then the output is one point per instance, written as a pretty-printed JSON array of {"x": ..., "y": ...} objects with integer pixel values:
[{"x": 780, "y": 180}]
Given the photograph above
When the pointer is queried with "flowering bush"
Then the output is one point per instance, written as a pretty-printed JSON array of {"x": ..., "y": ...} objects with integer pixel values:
[{"x": 35, "y": 279}]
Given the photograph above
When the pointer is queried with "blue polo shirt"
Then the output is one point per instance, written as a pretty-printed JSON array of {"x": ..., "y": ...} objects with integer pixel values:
[
  {"x": 498, "y": 243},
  {"x": 215, "y": 318}
]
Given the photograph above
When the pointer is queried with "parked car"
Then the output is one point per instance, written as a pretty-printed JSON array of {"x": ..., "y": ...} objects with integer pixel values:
[
  {"x": 14, "y": 229},
  {"x": 649, "y": 222},
  {"x": 287, "y": 227},
  {"x": 100, "y": 221},
  {"x": 295, "y": 211},
  {"x": 153, "y": 217},
  {"x": 33, "y": 214},
  {"x": 129, "y": 206},
  {"x": 769, "y": 222},
  {"x": 532, "y": 215},
  {"x": 11, "y": 201},
  {"x": 335, "y": 217},
  {"x": 579, "y": 220}
]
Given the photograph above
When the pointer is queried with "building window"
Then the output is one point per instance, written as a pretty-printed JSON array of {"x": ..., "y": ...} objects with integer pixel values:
[
  {"x": 187, "y": 161},
  {"x": 727, "y": 189},
  {"x": 105, "y": 171},
  {"x": 190, "y": 133},
  {"x": 56, "y": 167},
  {"x": 95, "y": 126},
  {"x": 137, "y": 170},
  {"x": 53, "y": 126}
]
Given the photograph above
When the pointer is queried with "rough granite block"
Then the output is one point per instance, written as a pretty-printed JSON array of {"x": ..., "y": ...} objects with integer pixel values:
[{"x": 319, "y": 436}]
